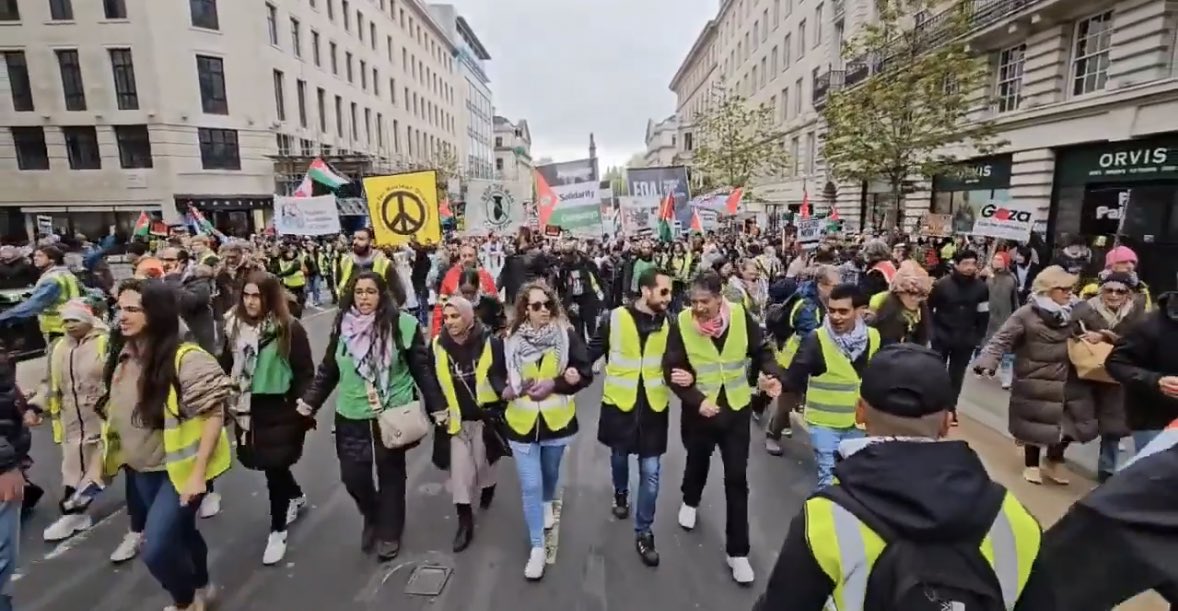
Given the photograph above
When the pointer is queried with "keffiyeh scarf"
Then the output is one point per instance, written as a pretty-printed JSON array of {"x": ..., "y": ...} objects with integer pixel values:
[
  {"x": 247, "y": 341},
  {"x": 373, "y": 358},
  {"x": 715, "y": 327},
  {"x": 1060, "y": 314},
  {"x": 853, "y": 343},
  {"x": 528, "y": 345}
]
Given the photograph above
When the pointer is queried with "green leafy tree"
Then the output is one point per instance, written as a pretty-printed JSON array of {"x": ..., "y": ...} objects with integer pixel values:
[
  {"x": 737, "y": 144},
  {"x": 917, "y": 107},
  {"x": 616, "y": 175}
]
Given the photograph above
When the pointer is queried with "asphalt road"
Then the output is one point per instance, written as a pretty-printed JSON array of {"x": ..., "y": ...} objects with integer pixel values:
[{"x": 595, "y": 569}]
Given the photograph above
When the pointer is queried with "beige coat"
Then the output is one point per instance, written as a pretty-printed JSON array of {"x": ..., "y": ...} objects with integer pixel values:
[
  {"x": 1108, "y": 400},
  {"x": 76, "y": 366},
  {"x": 1047, "y": 400}
]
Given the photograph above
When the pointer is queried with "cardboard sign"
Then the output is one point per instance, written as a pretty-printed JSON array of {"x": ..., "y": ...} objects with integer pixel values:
[{"x": 552, "y": 231}]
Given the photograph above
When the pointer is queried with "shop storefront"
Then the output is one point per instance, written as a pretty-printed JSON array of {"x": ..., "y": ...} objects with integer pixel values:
[
  {"x": 976, "y": 182},
  {"x": 92, "y": 221},
  {"x": 1127, "y": 188},
  {"x": 234, "y": 215}
]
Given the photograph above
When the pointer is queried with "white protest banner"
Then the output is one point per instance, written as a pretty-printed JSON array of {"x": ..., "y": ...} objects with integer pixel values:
[
  {"x": 492, "y": 208},
  {"x": 810, "y": 230},
  {"x": 1005, "y": 221},
  {"x": 44, "y": 224},
  {"x": 306, "y": 215},
  {"x": 639, "y": 214}
]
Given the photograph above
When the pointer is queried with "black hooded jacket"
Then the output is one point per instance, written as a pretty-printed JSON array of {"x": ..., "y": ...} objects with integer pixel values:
[{"x": 924, "y": 491}]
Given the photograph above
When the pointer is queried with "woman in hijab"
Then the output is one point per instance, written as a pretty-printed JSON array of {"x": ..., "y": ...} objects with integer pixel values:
[
  {"x": 468, "y": 359},
  {"x": 1047, "y": 399},
  {"x": 269, "y": 358},
  {"x": 547, "y": 363},
  {"x": 378, "y": 360}
]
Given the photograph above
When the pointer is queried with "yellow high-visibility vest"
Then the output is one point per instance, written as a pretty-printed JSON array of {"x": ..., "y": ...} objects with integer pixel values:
[
  {"x": 181, "y": 439},
  {"x": 715, "y": 369},
  {"x": 558, "y": 410},
  {"x": 380, "y": 265},
  {"x": 630, "y": 366},
  {"x": 786, "y": 354},
  {"x": 831, "y": 397},
  {"x": 846, "y": 549},
  {"x": 484, "y": 394},
  {"x": 296, "y": 280},
  {"x": 55, "y": 382},
  {"x": 49, "y": 320}
]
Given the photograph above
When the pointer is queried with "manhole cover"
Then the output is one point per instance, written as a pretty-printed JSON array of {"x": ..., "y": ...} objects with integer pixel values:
[{"x": 427, "y": 581}]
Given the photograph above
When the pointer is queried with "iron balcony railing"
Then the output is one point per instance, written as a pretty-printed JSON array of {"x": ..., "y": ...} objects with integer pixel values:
[
  {"x": 839, "y": 7},
  {"x": 825, "y": 84}
]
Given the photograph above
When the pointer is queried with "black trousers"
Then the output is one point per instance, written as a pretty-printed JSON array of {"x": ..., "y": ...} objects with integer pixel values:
[
  {"x": 733, "y": 441},
  {"x": 958, "y": 360},
  {"x": 381, "y": 502},
  {"x": 1054, "y": 453},
  {"x": 282, "y": 489}
]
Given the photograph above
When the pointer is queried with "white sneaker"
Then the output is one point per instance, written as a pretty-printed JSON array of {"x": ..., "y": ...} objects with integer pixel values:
[
  {"x": 549, "y": 516},
  {"x": 208, "y": 594},
  {"x": 275, "y": 549},
  {"x": 687, "y": 516},
  {"x": 295, "y": 507},
  {"x": 67, "y": 526},
  {"x": 128, "y": 548},
  {"x": 534, "y": 569},
  {"x": 742, "y": 571},
  {"x": 210, "y": 505}
]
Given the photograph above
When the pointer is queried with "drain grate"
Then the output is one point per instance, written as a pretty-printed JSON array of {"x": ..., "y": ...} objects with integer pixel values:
[{"x": 428, "y": 580}]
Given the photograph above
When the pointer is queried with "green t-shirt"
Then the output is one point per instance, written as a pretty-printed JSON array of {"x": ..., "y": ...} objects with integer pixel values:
[{"x": 352, "y": 399}]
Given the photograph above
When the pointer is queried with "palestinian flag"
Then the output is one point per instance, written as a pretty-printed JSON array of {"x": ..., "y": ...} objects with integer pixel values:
[
  {"x": 444, "y": 210},
  {"x": 321, "y": 173},
  {"x": 142, "y": 225},
  {"x": 834, "y": 214},
  {"x": 805, "y": 211},
  {"x": 667, "y": 217},
  {"x": 546, "y": 200},
  {"x": 733, "y": 203},
  {"x": 697, "y": 224}
]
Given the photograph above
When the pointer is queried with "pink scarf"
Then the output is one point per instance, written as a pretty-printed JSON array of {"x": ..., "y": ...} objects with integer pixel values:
[{"x": 715, "y": 327}]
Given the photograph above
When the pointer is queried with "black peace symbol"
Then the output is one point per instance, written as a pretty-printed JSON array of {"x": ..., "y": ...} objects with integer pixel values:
[{"x": 403, "y": 212}]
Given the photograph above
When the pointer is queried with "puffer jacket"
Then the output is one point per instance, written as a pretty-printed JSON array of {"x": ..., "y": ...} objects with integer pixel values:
[{"x": 1047, "y": 400}]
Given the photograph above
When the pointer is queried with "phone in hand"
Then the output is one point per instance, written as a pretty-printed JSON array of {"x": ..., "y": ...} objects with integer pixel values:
[{"x": 82, "y": 497}]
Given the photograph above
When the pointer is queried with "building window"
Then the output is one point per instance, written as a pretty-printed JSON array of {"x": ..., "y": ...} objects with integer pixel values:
[
  {"x": 363, "y": 75},
  {"x": 794, "y": 149},
  {"x": 348, "y": 64},
  {"x": 315, "y": 48},
  {"x": 210, "y": 72},
  {"x": 114, "y": 9},
  {"x": 776, "y": 13},
  {"x": 334, "y": 59},
  {"x": 134, "y": 146},
  {"x": 372, "y": 35},
  {"x": 499, "y": 164},
  {"x": 204, "y": 14},
  {"x": 339, "y": 116},
  {"x": 799, "y": 90},
  {"x": 61, "y": 10},
  {"x": 811, "y": 153},
  {"x": 785, "y": 52},
  {"x": 296, "y": 37},
  {"x": 10, "y": 11},
  {"x": 218, "y": 149},
  {"x": 331, "y": 10},
  {"x": 380, "y": 130},
  {"x": 71, "y": 79},
  {"x": 355, "y": 127},
  {"x": 285, "y": 144},
  {"x": 764, "y": 25},
  {"x": 1090, "y": 58},
  {"x": 688, "y": 143},
  {"x": 368, "y": 125},
  {"x": 31, "y": 153},
  {"x": 785, "y": 104},
  {"x": 392, "y": 91},
  {"x": 375, "y": 82},
  {"x": 817, "y": 25},
  {"x": 1010, "y": 78},
  {"x": 307, "y": 147},
  {"x": 773, "y": 64},
  {"x": 360, "y": 25},
  {"x": 801, "y": 39},
  {"x": 764, "y": 72},
  {"x": 126, "y": 94},
  {"x": 81, "y": 147},
  {"x": 301, "y": 94},
  {"x": 18, "y": 79},
  {"x": 321, "y": 98},
  {"x": 347, "y": 16},
  {"x": 279, "y": 96},
  {"x": 272, "y": 23}
]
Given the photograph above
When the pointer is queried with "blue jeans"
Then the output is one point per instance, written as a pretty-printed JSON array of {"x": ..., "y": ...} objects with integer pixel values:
[
  {"x": 173, "y": 549},
  {"x": 648, "y": 486},
  {"x": 1106, "y": 464},
  {"x": 314, "y": 286},
  {"x": 423, "y": 309},
  {"x": 9, "y": 548},
  {"x": 1142, "y": 439},
  {"x": 539, "y": 473},
  {"x": 825, "y": 442}
]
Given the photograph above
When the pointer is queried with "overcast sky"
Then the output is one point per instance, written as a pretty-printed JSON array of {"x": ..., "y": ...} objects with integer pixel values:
[{"x": 571, "y": 67}]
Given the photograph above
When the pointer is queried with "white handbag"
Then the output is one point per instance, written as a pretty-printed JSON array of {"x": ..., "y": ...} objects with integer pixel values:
[{"x": 402, "y": 425}]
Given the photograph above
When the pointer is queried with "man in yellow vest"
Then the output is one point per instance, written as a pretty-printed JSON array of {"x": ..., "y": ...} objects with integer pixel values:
[
  {"x": 634, "y": 416},
  {"x": 56, "y": 286},
  {"x": 827, "y": 367},
  {"x": 291, "y": 269},
  {"x": 717, "y": 342},
  {"x": 364, "y": 257},
  {"x": 914, "y": 522}
]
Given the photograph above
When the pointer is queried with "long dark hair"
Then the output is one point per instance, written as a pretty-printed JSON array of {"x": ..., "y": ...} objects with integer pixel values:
[
  {"x": 273, "y": 302},
  {"x": 557, "y": 315},
  {"x": 387, "y": 314},
  {"x": 157, "y": 349}
]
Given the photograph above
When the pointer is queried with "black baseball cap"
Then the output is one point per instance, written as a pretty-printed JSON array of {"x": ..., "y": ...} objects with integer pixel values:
[{"x": 908, "y": 381}]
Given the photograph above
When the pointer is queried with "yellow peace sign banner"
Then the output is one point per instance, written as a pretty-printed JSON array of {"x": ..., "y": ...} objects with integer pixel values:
[{"x": 404, "y": 206}]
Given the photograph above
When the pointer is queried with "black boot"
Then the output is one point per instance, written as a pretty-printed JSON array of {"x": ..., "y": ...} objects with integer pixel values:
[
  {"x": 387, "y": 550},
  {"x": 621, "y": 505},
  {"x": 465, "y": 528},
  {"x": 486, "y": 496},
  {"x": 645, "y": 546},
  {"x": 368, "y": 537}
]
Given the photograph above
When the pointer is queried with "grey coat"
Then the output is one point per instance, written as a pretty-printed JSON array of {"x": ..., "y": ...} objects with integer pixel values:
[
  {"x": 1107, "y": 400},
  {"x": 1003, "y": 300},
  {"x": 1047, "y": 400}
]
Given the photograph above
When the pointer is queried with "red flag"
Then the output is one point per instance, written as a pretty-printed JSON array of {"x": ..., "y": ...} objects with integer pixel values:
[
  {"x": 546, "y": 199},
  {"x": 805, "y": 203},
  {"x": 834, "y": 214},
  {"x": 697, "y": 223},
  {"x": 667, "y": 208},
  {"x": 444, "y": 209},
  {"x": 734, "y": 200}
]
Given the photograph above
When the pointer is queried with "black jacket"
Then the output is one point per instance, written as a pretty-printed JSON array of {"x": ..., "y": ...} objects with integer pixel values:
[
  {"x": 566, "y": 279},
  {"x": 893, "y": 325},
  {"x": 579, "y": 360},
  {"x": 960, "y": 308},
  {"x": 1146, "y": 354},
  {"x": 512, "y": 276},
  {"x": 275, "y": 437},
  {"x": 195, "y": 297},
  {"x": 465, "y": 357},
  {"x": 762, "y": 360},
  {"x": 922, "y": 490},
  {"x": 18, "y": 274},
  {"x": 15, "y": 439},
  {"x": 640, "y": 431},
  {"x": 810, "y": 362}
]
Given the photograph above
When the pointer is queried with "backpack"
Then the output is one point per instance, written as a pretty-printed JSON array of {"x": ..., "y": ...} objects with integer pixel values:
[
  {"x": 926, "y": 575},
  {"x": 778, "y": 320}
]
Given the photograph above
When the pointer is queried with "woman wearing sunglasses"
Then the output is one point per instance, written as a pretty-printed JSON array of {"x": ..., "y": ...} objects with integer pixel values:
[
  {"x": 901, "y": 315},
  {"x": 547, "y": 363},
  {"x": 1104, "y": 319}
]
